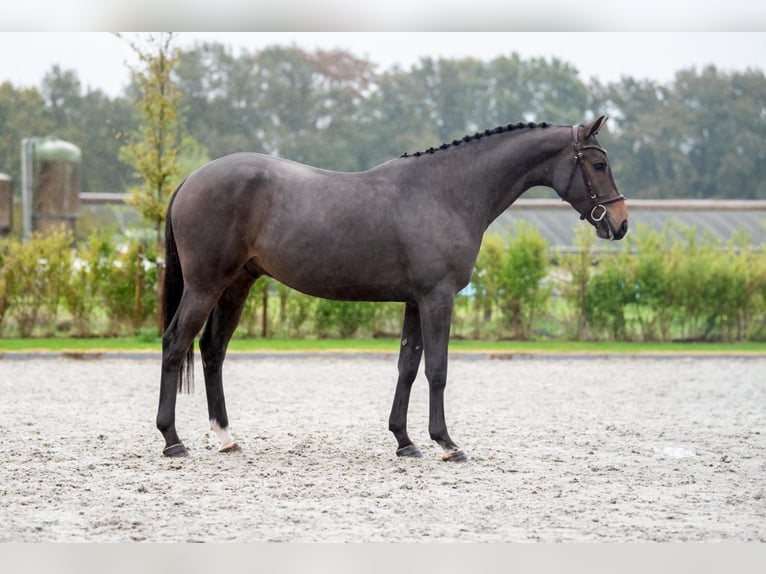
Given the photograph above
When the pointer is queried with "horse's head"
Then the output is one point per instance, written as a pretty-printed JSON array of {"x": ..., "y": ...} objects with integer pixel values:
[{"x": 584, "y": 179}]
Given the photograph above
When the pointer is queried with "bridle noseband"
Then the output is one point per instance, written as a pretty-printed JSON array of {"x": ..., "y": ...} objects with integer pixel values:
[{"x": 595, "y": 200}]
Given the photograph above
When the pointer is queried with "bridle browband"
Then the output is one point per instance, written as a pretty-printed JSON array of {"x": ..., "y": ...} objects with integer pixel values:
[{"x": 595, "y": 199}]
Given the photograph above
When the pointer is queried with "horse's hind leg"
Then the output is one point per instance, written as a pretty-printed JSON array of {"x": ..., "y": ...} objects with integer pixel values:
[
  {"x": 410, "y": 353},
  {"x": 176, "y": 342},
  {"x": 215, "y": 339}
]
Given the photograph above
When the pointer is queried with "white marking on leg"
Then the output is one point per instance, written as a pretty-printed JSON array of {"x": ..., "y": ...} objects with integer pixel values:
[{"x": 223, "y": 435}]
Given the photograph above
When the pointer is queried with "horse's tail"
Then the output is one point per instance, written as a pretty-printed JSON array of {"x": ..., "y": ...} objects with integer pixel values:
[{"x": 172, "y": 290}]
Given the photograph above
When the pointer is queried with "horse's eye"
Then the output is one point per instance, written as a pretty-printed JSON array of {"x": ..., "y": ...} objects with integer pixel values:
[{"x": 600, "y": 166}]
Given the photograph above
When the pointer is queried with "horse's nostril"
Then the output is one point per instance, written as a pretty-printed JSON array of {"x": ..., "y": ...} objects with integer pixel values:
[{"x": 623, "y": 230}]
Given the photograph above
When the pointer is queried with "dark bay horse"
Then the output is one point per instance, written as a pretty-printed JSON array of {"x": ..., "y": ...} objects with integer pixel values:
[{"x": 407, "y": 230}]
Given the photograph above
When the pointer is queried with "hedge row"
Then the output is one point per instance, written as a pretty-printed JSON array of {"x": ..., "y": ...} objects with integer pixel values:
[
  {"x": 668, "y": 285},
  {"x": 99, "y": 287}
]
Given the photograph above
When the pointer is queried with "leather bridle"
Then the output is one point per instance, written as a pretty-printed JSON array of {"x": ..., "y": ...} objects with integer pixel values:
[{"x": 595, "y": 200}]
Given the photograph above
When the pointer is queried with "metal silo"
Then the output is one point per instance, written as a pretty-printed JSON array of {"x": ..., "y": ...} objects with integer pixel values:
[{"x": 50, "y": 184}]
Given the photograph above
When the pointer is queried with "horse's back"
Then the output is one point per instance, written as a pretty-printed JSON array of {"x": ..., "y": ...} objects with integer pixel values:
[{"x": 293, "y": 220}]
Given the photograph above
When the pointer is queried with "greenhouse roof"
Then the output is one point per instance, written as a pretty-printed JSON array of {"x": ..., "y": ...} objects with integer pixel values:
[{"x": 557, "y": 221}]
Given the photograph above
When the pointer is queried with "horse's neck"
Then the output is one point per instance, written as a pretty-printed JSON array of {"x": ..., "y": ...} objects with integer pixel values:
[{"x": 502, "y": 167}]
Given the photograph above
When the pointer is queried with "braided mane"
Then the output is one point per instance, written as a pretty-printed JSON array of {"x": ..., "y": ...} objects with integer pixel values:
[{"x": 478, "y": 136}]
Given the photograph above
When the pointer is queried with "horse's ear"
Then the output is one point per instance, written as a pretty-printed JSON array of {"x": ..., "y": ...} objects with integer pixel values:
[{"x": 593, "y": 128}]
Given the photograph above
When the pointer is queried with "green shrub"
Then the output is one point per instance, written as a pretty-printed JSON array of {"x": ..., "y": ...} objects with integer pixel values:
[
  {"x": 296, "y": 311},
  {"x": 5, "y": 286},
  {"x": 92, "y": 271},
  {"x": 250, "y": 322},
  {"x": 524, "y": 295},
  {"x": 648, "y": 268},
  {"x": 486, "y": 282},
  {"x": 287, "y": 311},
  {"x": 34, "y": 276},
  {"x": 733, "y": 290},
  {"x": 715, "y": 289},
  {"x": 607, "y": 295},
  {"x": 509, "y": 278},
  {"x": 673, "y": 284},
  {"x": 692, "y": 264},
  {"x": 578, "y": 267},
  {"x": 130, "y": 294},
  {"x": 343, "y": 318}
]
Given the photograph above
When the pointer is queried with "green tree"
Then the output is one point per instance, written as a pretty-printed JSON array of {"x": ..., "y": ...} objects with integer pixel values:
[
  {"x": 63, "y": 97},
  {"x": 22, "y": 114},
  {"x": 218, "y": 99},
  {"x": 537, "y": 89},
  {"x": 394, "y": 118},
  {"x": 724, "y": 131},
  {"x": 284, "y": 101},
  {"x": 154, "y": 147},
  {"x": 700, "y": 136},
  {"x": 95, "y": 123},
  {"x": 646, "y": 143}
]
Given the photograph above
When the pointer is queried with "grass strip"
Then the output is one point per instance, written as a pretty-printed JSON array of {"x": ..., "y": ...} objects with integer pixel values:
[{"x": 144, "y": 343}]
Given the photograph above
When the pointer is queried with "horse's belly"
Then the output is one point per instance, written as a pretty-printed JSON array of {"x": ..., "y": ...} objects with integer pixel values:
[
  {"x": 372, "y": 259},
  {"x": 362, "y": 279}
]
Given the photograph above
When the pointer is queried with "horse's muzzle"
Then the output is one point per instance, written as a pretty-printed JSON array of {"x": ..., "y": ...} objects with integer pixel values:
[
  {"x": 621, "y": 231},
  {"x": 605, "y": 230}
]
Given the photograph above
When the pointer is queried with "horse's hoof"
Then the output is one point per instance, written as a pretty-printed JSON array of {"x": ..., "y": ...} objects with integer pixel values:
[
  {"x": 175, "y": 450},
  {"x": 410, "y": 450},
  {"x": 231, "y": 447},
  {"x": 454, "y": 456}
]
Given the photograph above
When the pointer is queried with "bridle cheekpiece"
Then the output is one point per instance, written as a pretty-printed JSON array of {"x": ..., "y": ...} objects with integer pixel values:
[{"x": 596, "y": 201}]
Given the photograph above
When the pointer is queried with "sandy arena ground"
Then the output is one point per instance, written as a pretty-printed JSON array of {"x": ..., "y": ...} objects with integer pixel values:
[{"x": 618, "y": 449}]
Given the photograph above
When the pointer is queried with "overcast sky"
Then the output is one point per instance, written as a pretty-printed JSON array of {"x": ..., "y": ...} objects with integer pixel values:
[{"x": 101, "y": 59}]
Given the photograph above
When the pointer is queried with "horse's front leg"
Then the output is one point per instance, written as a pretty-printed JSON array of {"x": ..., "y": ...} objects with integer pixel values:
[
  {"x": 410, "y": 353},
  {"x": 436, "y": 317}
]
